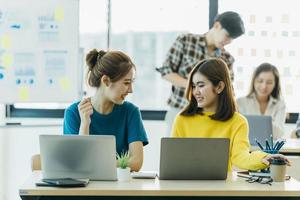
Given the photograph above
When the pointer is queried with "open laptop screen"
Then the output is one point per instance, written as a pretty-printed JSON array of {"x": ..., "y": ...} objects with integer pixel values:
[
  {"x": 194, "y": 158},
  {"x": 74, "y": 156}
]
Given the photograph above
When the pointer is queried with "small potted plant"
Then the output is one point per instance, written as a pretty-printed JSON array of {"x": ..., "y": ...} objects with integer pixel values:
[{"x": 123, "y": 170}]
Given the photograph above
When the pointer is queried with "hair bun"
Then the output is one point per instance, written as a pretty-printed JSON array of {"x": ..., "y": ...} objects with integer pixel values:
[
  {"x": 91, "y": 58},
  {"x": 101, "y": 53}
]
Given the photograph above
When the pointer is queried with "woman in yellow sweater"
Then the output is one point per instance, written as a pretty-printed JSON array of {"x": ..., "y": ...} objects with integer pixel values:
[{"x": 212, "y": 113}]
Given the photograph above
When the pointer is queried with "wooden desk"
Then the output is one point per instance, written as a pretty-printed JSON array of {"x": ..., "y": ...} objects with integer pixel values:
[{"x": 234, "y": 187}]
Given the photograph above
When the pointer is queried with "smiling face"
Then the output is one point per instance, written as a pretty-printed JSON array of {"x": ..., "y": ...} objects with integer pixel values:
[
  {"x": 264, "y": 84},
  {"x": 204, "y": 92},
  {"x": 117, "y": 91}
]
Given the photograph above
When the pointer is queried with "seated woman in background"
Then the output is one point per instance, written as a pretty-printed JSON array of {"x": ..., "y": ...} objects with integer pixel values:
[
  {"x": 265, "y": 98},
  {"x": 212, "y": 113},
  {"x": 112, "y": 74}
]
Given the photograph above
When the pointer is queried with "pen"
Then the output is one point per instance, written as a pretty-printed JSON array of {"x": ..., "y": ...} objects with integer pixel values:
[
  {"x": 267, "y": 145},
  {"x": 257, "y": 142},
  {"x": 276, "y": 145},
  {"x": 280, "y": 145},
  {"x": 271, "y": 137}
]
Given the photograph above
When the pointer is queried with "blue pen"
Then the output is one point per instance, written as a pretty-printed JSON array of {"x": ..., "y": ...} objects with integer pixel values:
[
  {"x": 267, "y": 145},
  {"x": 280, "y": 145},
  {"x": 271, "y": 137},
  {"x": 276, "y": 145},
  {"x": 257, "y": 142}
]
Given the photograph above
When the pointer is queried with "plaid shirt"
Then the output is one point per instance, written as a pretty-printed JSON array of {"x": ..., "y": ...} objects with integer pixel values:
[{"x": 187, "y": 50}]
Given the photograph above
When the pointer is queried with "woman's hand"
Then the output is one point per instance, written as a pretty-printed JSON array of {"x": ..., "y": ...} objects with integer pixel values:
[
  {"x": 85, "y": 109},
  {"x": 266, "y": 160}
]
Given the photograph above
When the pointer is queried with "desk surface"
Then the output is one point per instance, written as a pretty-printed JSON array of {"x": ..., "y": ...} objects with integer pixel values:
[{"x": 233, "y": 186}]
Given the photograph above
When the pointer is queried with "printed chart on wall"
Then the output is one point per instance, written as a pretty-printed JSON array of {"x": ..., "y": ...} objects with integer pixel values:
[{"x": 39, "y": 44}]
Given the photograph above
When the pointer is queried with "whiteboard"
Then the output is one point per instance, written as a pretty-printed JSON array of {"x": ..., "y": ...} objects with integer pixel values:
[{"x": 39, "y": 51}]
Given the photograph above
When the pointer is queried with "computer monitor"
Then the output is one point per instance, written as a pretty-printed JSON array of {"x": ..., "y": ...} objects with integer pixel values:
[
  {"x": 74, "y": 156},
  {"x": 194, "y": 158},
  {"x": 260, "y": 128}
]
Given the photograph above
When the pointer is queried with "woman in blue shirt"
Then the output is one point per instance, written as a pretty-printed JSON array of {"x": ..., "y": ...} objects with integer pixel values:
[{"x": 107, "y": 113}]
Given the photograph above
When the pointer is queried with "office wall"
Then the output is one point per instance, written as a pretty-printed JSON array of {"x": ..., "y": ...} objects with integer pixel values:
[{"x": 18, "y": 144}]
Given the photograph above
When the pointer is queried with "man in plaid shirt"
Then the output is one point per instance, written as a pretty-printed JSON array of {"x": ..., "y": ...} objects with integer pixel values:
[{"x": 188, "y": 49}]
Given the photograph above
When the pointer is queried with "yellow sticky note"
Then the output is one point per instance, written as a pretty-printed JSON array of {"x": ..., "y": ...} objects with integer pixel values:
[
  {"x": 285, "y": 19},
  {"x": 7, "y": 60},
  {"x": 288, "y": 89},
  {"x": 59, "y": 14},
  {"x": 65, "y": 84},
  {"x": 5, "y": 42},
  {"x": 279, "y": 54},
  {"x": 23, "y": 93}
]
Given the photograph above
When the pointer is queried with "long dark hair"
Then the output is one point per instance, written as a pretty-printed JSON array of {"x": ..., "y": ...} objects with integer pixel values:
[
  {"x": 114, "y": 64},
  {"x": 267, "y": 67},
  {"x": 215, "y": 70}
]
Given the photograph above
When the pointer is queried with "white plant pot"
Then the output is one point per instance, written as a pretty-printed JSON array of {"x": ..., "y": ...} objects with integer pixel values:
[{"x": 123, "y": 174}]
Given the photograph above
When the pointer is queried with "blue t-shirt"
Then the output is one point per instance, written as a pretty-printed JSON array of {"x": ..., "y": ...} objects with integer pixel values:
[{"x": 124, "y": 122}]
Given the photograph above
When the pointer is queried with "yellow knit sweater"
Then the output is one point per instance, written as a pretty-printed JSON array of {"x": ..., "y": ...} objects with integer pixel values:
[{"x": 236, "y": 129}]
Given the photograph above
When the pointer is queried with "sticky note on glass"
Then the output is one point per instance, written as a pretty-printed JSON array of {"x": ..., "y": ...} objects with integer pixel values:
[
  {"x": 59, "y": 14},
  {"x": 279, "y": 54},
  {"x": 267, "y": 53},
  {"x": 7, "y": 60},
  {"x": 240, "y": 69},
  {"x": 288, "y": 89},
  {"x": 5, "y": 42},
  {"x": 286, "y": 72},
  {"x": 285, "y": 19},
  {"x": 239, "y": 85},
  {"x": 253, "y": 52},
  {"x": 296, "y": 33},
  {"x": 292, "y": 53},
  {"x": 23, "y": 93},
  {"x": 240, "y": 51},
  {"x": 65, "y": 84},
  {"x": 264, "y": 33},
  {"x": 284, "y": 33},
  {"x": 269, "y": 19},
  {"x": 252, "y": 19},
  {"x": 251, "y": 33}
]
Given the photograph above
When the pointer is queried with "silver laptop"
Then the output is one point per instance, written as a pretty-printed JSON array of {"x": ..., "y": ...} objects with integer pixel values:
[
  {"x": 74, "y": 156},
  {"x": 194, "y": 158},
  {"x": 260, "y": 128}
]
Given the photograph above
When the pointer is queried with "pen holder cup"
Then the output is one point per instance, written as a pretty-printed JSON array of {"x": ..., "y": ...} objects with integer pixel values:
[
  {"x": 267, "y": 170},
  {"x": 271, "y": 151}
]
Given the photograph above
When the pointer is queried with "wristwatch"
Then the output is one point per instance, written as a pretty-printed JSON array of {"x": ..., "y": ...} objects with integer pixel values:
[{"x": 297, "y": 134}]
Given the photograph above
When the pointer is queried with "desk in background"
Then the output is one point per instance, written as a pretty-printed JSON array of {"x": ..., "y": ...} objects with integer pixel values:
[
  {"x": 291, "y": 147},
  {"x": 233, "y": 188}
]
